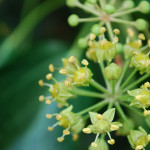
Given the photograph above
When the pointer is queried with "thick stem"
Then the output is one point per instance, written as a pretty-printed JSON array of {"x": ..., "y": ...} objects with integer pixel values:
[
  {"x": 89, "y": 19},
  {"x": 98, "y": 86},
  {"x": 98, "y": 105},
  {"x": 123, "y": 21},
  {"x": 110, "y": 31},
  {"x": 128, "y": 79}
]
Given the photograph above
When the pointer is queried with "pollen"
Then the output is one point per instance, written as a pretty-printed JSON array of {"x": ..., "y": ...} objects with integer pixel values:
[
  {"x": 60, "y": 139},
  {"x": 111, "y": 142},
  {"x": 138, "y": 97},
  {"x": 75, "y": 137},
  {"x": 62, "y": 71},
  {"x": 48, "y": 101},
  {"x": 66, "y": 132},
  {"x": 41, "y": 83},
  {"x": 130, "y": 32},
  {"x": 41, "y": 98},
  {"x": 85, "y": 62},
  {"x": 87, "y": 130},
  {"x": 99, "y": 117},
  {"x": 114, "y": 127},
  {"x": 141, "y": 36},
  {"x": 58, "y": 117},
  {"x": 116, "y": 31},
  {"x": 49, "y": 76},
  {"x": 102, "y": 30},
  {"x": 50, "y": 129},
  {"x": 67, "y": 83},
  {"x": 48, "y": 116},
  {"x": 92, "y": 37},
  {"x": 71, "y": 59},
  {"x": 146, "y": 112},
  {"x": 93, "y": 144},
  {"x": 51, "y": 68},
  {"x": 139, "y": 147}
]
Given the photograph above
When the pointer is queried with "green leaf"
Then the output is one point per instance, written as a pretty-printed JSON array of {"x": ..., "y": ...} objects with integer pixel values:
[
  {"x": 109, "y": 114},
  {"x": 93, "y": 117}
]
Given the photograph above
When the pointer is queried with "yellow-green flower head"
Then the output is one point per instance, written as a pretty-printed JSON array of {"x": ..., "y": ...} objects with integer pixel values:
[
  {"x": 60, "y": 93},
  {"x": 82, "y": 76},
  {"x": 141, "y": 62},
  {"x": 138, "y": 139},
  {"x": 141, "y": 97},
  {"x": 101, "y": 145},
  {"x": 130, "y": 48},
  {"x": 70, "y": 65},
  {"x": 102, "y": 124},
  {"x": 113, "y": 71}
]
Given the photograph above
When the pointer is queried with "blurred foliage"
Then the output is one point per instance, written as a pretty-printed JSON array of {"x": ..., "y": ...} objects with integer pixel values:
[{"x": 30, "y": 33}]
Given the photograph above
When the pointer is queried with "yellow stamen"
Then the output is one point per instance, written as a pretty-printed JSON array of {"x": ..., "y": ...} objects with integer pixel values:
[
  {"x": 41, "y": 98},
  {"x": 102, "y": 30},
  {"x": 59, "y": 105},
  {"x": 48, "y": 116},
  {"x": 71, "y": 59},
  {"x": 62, "y": 71},
  {"x": 87, "y": 130},
  {"x": 141, "y": 36},
  {"x": 148, "y": 137},
  {"x": 58, "y": 117},
  {"x": 111, "y": 142},
  {"x": 41, "y": 83},
  {"x": 85, "y": 62},
  {"x": 60, "y": 139},
  {"x": 116, "y": 31},
  {"x": 139, "y": 43},
  {"x": 92, "y": 37},
  {"x": 114, "y": 127},
  {"x": 147, "y": 85},
  {"x": 116, "y": 39},
  {"x": 130, "y": 32},
  {"x": 148, "y": 43},
  {"x": 99, "y": 117},
  {"x": 93, "y": 144},
  {"x": 90, "y": 43},
  {"x": 138, "y": 97},
  {"x": 50, "y": 129},
  {"x": 67, "y": 83},
  {"x": 139, "y": 147},
  {"x": 49, "y": 76},
  {"x": 75, "y": 137},
  {"x": 66, "y": 132},
  {"x": 48, "y": 101},
  {"x": 51, "y": 68},
  {"x": 146, "y": 112}
]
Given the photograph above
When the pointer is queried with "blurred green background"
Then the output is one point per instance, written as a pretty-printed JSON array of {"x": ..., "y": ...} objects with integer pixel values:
[{"x": 33, "y": 34}]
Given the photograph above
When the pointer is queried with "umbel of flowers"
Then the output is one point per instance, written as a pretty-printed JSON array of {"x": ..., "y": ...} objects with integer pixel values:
[{"x": 118, "y": 63}]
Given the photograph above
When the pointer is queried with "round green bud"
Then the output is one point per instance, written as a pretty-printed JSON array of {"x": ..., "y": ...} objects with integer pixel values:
[
  {"x": 82, "y": 43},
  {"x": 119, "y": 48},
  {"x": 96, "y": 29},
  {"x": 109, "y": 9},
  {"x": 113, "y": 72},
  {"x": 128, "y": 4},
  {"x": 141, "y": 24},
  {"x": 73, "y": 20},
  {"x": 71, "y": 3},
  {"x": 92, "y": 1},
  {"x": 144, "y": 7}
]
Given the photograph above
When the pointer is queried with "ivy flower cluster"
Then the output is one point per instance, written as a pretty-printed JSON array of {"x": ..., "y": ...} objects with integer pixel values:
[{"x": 119, "y": 64}]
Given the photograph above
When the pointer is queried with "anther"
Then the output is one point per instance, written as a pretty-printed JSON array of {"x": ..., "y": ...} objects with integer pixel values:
[
  {"x": 48, "y": 116},
  {"x": 138, "y": 97},
  {"x": 141, "y": 36},
  {"x": 51, "y": 68},
  {"x": 58, "y": 117},
  {"x": 111, "y": 142},
  {"x": 48, "y": 101},
  {"x": 148, "y": 43},
  {"x": 87, "y": 130},
  {"x": 50, "y": 129},
  {"x": 67, "y": 83},
  {"x": 92, "y": 36},
  {"x": 139, "y": 147},
  {"x": 99, "y": 117},
  {"x": 41, "y": 98},
  {"x": 102, "y": 30},
  {"x": 139, "y": 43},
  {"x": 85, "y": 62},
  {"x": 49, "y": 76},
  {"x": 75, "y": 137},
  {"x": 148, "y": 137},
  {"x": 41, "y": 83},
  {"x": 146, "y": 112},
  {"x": 147, "y": 85},
  {"x": 93, "y": 144},
  {"x": 62, "y": 71},
  {"x": 114, "y": 127},
  {"x": 71, "y": 59},
  {"x": 116, "y": 39},
  {"x": 66, "y": 132},
  {"x": 60, "y": 139},
  {"x": 90, "y": 43},
  {"x": 116, "y": 31},
  {"x": 130, "y": 32}
]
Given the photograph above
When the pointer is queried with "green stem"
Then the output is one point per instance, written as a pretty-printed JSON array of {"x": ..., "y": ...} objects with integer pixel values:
[
  {"x": 122, "y": 75},
  {"x": 110, "y": 31},
  {"x": 25, "y": 27},
  {"x": 113, "y": 87},
  {"x": 102, "y": 3},
  {"x": 128, "y": 79},
  {"x": 123, "y": 21},
  {"x": 112, "y": 2},
  {"x": 111, "y": 103},
  {"x": 98, "y": 105},
  {"x": 125, "y": 12},
  {"x": 89, "y": 19},
  {"x": 136, "y": 82},
  {"x": 133, "y": 109},
  {"x": 98, "y": 86},
  {"x": 87, "y": 9},
  {"x": 87, "y": 93},
  {"x": 101, "y": 65},
  {"x": 122, "y": 114}
]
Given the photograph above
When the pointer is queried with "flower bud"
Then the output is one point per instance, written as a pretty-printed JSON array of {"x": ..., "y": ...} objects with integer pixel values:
[
  {"x": 128, "y": 4},
  {"x": 92, "y": 1},
  {"x": 82, "y": 43},
  {"x": 109, "y": 9},
  {"x": 83, "y": 76},
  {"x": 71, "y": 3},
  {"x": 96, "y": 29},
  {"x": 113, "y": 71},
  {"x": 119, "y": 48},
  {"x": 144, "y": 7},
  {"x": 73, "y": 20},
  {"x": 141, "y": 24}
]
